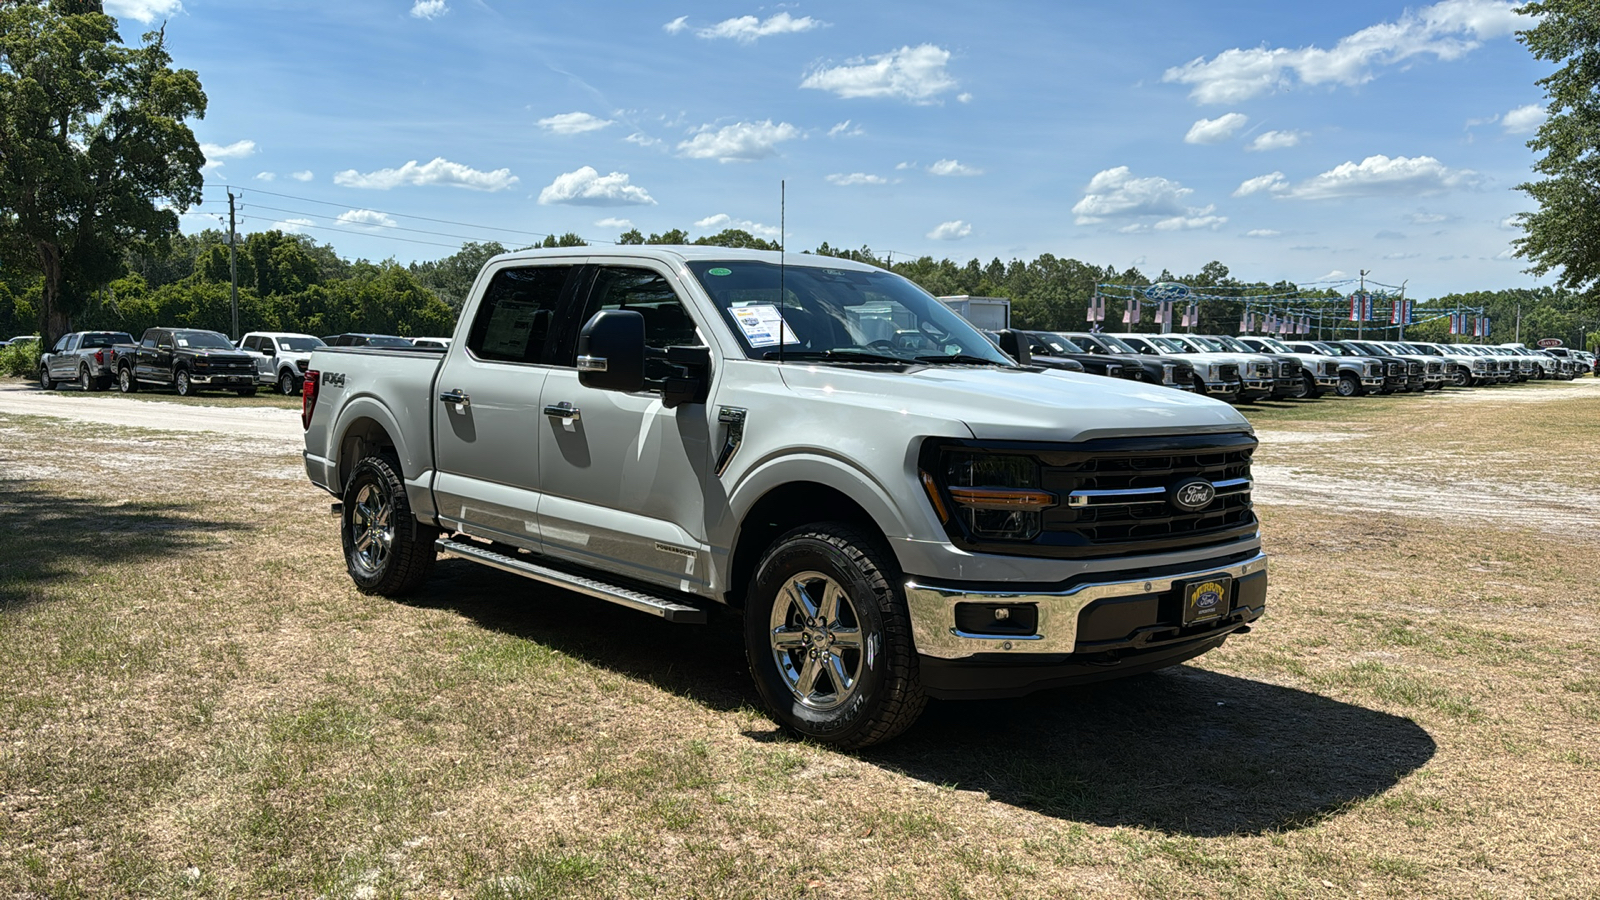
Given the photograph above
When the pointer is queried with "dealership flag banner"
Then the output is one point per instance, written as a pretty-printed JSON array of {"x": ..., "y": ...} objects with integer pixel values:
[
  {"x": 1133, "y": 313},
  {"x": 1097, "y": 309},
  {"x": 1191, "y": 314}
]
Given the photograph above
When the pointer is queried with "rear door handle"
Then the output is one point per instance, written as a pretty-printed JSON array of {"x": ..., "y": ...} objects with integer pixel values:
[
  {"x": 458, "y": 397},
  {"x": 562, "y": 410}
]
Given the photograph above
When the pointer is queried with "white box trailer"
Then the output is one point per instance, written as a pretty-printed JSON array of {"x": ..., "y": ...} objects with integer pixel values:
[{"x": 988, "y": 313}]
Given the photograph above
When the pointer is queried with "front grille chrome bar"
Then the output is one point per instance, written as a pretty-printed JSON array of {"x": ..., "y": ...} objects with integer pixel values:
[{"x": 1134, "y": 496}]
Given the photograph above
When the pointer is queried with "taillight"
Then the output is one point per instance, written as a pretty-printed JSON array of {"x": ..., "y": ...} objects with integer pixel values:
[
  {"x": 308, "y": 397},
  {"x": 100, "y": 357}
]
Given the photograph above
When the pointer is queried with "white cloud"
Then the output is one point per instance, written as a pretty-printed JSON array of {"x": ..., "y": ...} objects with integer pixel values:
[
  {"x": 429, "y": 9},
  {"x": 1447, "y": 30},
  {"x": 1200, "y": 218},
  {"x": 916, "y": 74},
  {"x": 952, "y": 167},
  {"x": 1524, "y": 119},
  {"x": 293, "y": 226},
  {"x": 747, "y": 29},
  {"x": 1274, "y": 182},
  {"x": 856, "y": 178},
  {"x": 642, "y": 139},
  {"x": 1275, "y": 140},
  {"x": 235, "y": 150},
  {"x": 366, "y": 218},
  {"x": 723, "y": 221},
  {"x": 905, "y": 165},
  {"x": 1401, "y": 256},
  {"x": 964, "y": 97},
  {"x": 146, "y": 11},
  {"x": 1380, "y": 176},
  {"x": 843, "y": 129},
  {"x": 676, "y": 25},
  {"x": 266, "y": 176},
  {"x": 439, "y": 171},
  {"x": 950, "y": 231},
  {"x": 1115, "y": 193},
  {"x": 1215, "y": 131},
  {"x": 1512, "y": 222},
  {"x": 1262, "y": 233},
  {"x": 302, "y": 176},
  {"x": 573, "y": 123},
  {"x": 586, "y": 187},
  {"x": 742, "y": 142},
  {"x": 1426, "y": 218},
  {"x": 614, "y": 222}
]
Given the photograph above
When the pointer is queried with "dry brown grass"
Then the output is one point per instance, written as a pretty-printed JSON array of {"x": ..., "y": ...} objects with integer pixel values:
[{"x": 198, "y": 704}]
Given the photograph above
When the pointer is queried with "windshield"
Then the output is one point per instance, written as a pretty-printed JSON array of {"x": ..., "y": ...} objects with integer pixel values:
[
  {"x": 1232, "y": 343},
  {"x": 299, "y": 344},
  {"x": 1339, "y": 350},
  {"x": 378, "y": 340},
  {"x": 1275, "y": 345},
  {"x": 1114, "y": 344},
  {"x": 1208, "y": 344},
  {"x": 1171, "y": 345},
  {"x": 841, "y": 315},
  {"x": 1059, "y": 343},
  {"x": 201, "y": 340}
]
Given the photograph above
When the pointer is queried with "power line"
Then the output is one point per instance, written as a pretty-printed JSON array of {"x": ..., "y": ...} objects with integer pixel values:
[
  {"x": 359, "y": 233},
  {"x": 538, "y": 234},
  {"x": 300, "y": 212}
]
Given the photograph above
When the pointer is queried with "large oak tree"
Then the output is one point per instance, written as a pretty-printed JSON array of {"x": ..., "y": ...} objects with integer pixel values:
[
  {"x": 94, "y": 150},
  {"x": 1564, "y": 234}
]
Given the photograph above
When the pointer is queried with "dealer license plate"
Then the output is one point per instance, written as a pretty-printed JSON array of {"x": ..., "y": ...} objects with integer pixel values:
[{"x": 1207, "y": 598}]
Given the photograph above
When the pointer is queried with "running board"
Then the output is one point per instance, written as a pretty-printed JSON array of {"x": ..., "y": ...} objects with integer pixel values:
[{"x": 669, "y": 610}]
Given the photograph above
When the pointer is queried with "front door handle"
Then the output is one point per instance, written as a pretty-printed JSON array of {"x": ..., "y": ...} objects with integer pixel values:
[
  {"x": 457, "y": 396},
  {"x": 562, "y": 410}
]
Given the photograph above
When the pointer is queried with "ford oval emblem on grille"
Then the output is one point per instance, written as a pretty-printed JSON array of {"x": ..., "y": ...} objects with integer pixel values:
[{"x": 1193, "y": 495}]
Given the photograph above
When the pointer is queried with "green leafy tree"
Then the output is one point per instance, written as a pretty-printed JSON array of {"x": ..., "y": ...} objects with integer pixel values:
[
  {"x": 451, "y": 278},
  {"x": 95, "y": 154},
  {"x": 1561, "y": 234}
]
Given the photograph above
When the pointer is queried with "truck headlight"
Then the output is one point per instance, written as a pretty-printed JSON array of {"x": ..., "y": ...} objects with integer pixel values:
[{"x": 996, "y": 496}]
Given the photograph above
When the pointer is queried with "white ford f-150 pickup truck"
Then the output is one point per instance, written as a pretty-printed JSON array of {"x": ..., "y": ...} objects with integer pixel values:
[{"x": 899, "y": 510}]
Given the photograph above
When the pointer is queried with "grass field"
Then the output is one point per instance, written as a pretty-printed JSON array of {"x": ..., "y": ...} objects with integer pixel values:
[{"x": 198, "y": 704}]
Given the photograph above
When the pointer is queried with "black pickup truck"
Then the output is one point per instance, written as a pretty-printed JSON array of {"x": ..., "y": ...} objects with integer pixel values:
[{"x": 187, "y": 360}]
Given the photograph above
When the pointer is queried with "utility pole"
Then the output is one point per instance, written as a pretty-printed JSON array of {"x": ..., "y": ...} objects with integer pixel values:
[
  {"x": 1519, "y": 321},
  {"x": 233, "y": 267},
  {"x": 1361, "y": 302}
]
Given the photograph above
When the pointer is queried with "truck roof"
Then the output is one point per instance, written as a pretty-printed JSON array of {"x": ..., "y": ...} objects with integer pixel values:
[{"x": 675, "y": 253}]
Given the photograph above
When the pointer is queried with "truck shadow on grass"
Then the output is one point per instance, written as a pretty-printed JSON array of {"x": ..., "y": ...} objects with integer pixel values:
[
  {"x": 1185, "y": 750},
  {"x": 49, "y": 535}
]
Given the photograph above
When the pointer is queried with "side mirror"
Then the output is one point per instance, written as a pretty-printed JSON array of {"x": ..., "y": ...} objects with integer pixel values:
[
  {"x": 611, "y": 351},
  {"x": 1015, "y": 346}
]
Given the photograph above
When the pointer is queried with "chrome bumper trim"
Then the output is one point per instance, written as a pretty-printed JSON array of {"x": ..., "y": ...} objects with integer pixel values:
[{"x": 933, "y": 611}]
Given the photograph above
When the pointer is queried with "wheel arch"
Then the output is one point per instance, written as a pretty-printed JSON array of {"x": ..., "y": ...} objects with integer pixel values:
[{"x": 785, "y": 507}]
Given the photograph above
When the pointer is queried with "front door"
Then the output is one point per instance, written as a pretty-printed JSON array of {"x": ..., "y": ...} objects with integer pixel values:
[
  {"x": 623, "y": 477},
  {"x": 486, "y": 404}
]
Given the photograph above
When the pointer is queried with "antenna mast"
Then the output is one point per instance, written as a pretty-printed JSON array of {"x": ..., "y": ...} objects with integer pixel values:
[{"x": 783, "y": 324}]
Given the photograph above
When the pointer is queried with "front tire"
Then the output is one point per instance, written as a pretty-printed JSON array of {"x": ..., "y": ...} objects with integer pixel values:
[
  {"x": 45, "y": 381},
  {"x": 287, "y": 385},
  {"x": 386, "y": 550},
  {"x": 829, "y": 640},
  {"x": 182, "y": 384},
  {"x": 1349, "y": 385}
]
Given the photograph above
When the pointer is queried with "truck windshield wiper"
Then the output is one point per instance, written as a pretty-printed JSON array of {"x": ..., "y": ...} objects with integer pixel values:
[
  {"x": 843, "y": 354},
  {"x": 959, "y": 358}
]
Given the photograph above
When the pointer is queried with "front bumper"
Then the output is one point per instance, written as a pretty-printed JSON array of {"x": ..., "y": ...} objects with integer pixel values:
[
  {"x": 1149, "y": 602},
  {"x": 231, "y": 379},
  {"x": 1328, "y": 381},
  {"x": 1220, "y": 388}
]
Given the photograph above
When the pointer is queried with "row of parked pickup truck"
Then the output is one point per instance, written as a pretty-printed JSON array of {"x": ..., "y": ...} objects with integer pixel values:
[
  {"x": 187, "y": 360},
  {"x": 1247, "y": 368}
]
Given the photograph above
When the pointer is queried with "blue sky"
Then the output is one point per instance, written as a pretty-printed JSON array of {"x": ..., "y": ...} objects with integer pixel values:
[{"x": 1290, "y": 141}]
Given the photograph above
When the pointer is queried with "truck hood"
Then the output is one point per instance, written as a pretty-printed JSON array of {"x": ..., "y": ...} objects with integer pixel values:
[{"x": 1019, "y": 405}]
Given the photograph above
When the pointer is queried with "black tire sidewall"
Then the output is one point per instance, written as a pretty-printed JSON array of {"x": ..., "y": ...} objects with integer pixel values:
[
  {"x": 125, "y": 381},
  {"x": 374, "y": 471},
  {"x": 45, "y": 381},
  {"x": 286, "y": 384},
  {"x": 182, "y": 384},
  {"x": 411, "y": 555},
  {"x": 1348, "y": 386},
  {"x": 85, "y": 380},
  {"x": 791, "y": 555}
]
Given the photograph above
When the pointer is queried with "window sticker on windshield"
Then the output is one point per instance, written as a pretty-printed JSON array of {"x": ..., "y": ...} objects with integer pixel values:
[
  {"x": 762, "y": 323},
  {"x": 183, "y": 342}
]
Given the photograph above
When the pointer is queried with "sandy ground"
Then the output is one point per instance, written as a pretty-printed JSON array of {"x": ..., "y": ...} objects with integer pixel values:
[{"x": 1556, "y": 508}]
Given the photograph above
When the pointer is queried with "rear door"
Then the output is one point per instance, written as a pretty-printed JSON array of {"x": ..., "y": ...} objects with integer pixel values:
[
  {"x": 485, "y": 401},
  {"x": 622, "y": 476}
]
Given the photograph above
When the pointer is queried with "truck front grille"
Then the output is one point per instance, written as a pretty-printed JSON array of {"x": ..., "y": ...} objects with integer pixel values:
[
  {"x": 1288, "y": 369},
  {"x": 1228, "y": 373},
  {"x": 1330, "y": 368}
]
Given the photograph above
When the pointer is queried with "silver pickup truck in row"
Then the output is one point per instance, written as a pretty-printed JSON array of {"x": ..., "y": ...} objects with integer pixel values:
[{"x": 898, "y": 509}]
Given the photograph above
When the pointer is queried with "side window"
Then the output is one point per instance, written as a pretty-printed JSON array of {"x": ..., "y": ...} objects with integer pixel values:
[
  {"x": 514, "y": 319},
  {"x": 61, "y": 345},
  {"x": 666, "y": 322}
]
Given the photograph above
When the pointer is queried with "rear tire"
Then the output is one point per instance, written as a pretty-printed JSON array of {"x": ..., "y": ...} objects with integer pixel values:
[
  {"x": 386, "y": 550},
  {"x": 829, "y": 640},
  {"x": 86, "y": 382},
  {"x": 126, "y": 383}
]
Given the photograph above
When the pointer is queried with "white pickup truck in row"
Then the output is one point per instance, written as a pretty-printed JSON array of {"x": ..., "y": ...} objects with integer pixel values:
[{"x": 899, "y": 510}]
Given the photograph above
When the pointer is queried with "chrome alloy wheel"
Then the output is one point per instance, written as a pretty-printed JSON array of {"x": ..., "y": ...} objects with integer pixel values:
[
  {"x": 817, "y": 641},
  {"x": 371, "y": 530}
]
